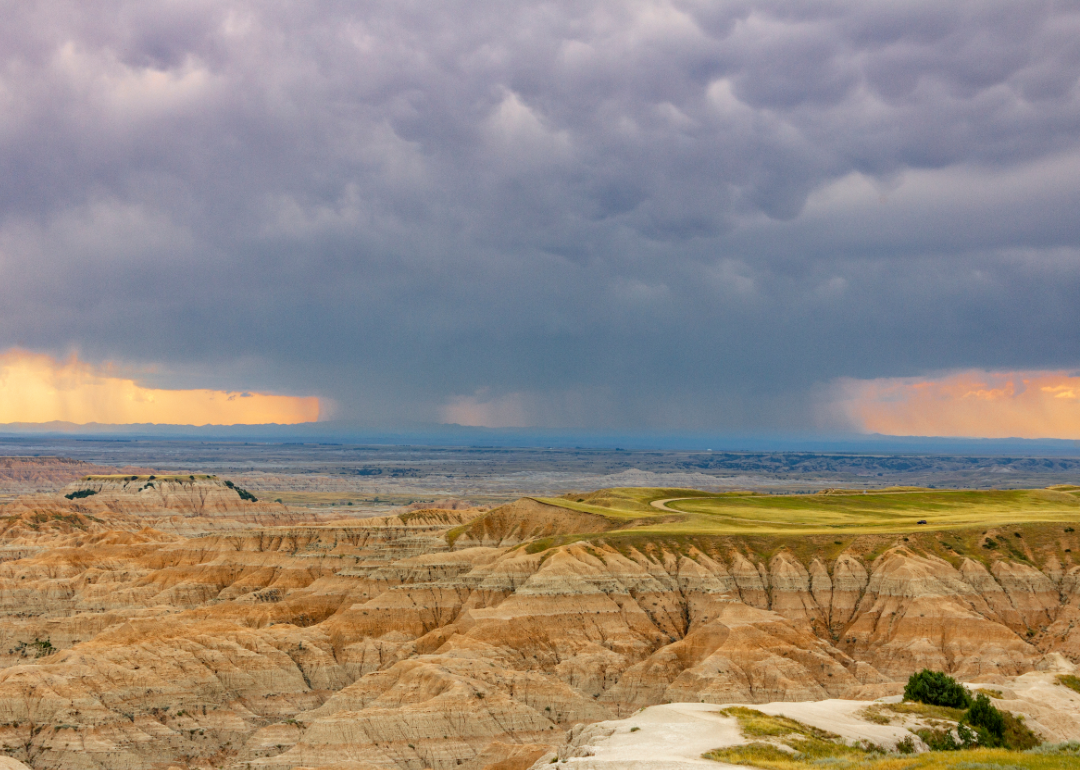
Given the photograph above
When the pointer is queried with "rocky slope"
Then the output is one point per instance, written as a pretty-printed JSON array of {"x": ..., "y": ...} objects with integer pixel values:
[{"x": 442, "y": 639}]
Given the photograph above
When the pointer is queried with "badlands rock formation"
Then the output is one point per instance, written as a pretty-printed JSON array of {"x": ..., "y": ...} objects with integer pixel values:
[
  {"x": 446, "y": 639},
  {"x": 45, "y": 474},
  {"x": 187, "y": 505}
]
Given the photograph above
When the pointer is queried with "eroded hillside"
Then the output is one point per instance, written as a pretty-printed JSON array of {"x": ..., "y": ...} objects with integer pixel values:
[{"x": 451, "y": 638}]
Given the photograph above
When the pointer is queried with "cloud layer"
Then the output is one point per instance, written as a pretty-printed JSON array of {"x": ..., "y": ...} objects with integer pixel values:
[{"x": 644, "y": 214}]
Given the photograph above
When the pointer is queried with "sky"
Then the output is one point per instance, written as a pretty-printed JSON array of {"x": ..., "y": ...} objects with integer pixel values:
[
  {"x": 36, "y": 388},
  {"x": 723, "y": 216}
]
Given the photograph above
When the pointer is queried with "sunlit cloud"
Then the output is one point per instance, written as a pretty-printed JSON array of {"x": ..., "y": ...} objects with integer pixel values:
[
  {"x": 38, "y": 388},
  {"x": 977, "y": 404}
]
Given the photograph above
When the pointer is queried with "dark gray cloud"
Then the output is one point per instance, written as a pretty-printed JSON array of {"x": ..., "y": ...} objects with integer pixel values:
[{"x": 645, "y": 214}]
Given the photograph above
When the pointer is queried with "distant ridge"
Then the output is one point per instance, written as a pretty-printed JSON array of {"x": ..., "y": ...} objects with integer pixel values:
[{"x": 460, "y": 435}]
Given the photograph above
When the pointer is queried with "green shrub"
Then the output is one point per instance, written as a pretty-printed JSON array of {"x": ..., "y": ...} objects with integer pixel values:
[
  {"x": 942, "y": 739},
  {"x": 981, "y": 725},
  {"x": 76, "y": 495},
  {"x": 936, "y": 689},
  {"x": 988, "y": 721}
]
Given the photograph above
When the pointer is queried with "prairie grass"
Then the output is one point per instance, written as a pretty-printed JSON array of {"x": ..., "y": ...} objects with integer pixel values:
[
  {"x": 926, "y": 711},
  {"x": 770, "y": 758},
  {"x": 790, "y": 739},
  {"x": 877, "y": 715},
  {"x": 760, "y": 725},
  {"x": 890, "y": 511},
  {"x": 837, "y": 512},
  {"x": 1070, "y": 681}
]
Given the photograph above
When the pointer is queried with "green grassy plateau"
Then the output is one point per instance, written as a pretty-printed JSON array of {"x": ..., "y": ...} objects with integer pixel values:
[
  {"x": 1028, "y": 525},
  {"x": 888, "y": 511}
]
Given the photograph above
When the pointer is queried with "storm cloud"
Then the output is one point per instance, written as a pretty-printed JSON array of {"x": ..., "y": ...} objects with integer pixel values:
[{"x": 584, "y": 213}]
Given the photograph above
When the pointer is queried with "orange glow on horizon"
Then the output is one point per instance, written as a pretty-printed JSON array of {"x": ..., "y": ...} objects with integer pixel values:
[
  {"x": 972, "y": 404},
  {"x": 37, "y": 388}
]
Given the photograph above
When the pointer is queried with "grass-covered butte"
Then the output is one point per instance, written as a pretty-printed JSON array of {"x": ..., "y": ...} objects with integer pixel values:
[{"x": 838, "y": 512}]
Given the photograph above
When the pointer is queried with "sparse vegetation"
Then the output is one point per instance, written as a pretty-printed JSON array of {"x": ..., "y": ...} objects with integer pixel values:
[
  {"x": 980, "y": 737},
  {"x": 1070, "y": 681},
  {"x": 791, "y": 739},
  {"x": 969, "y": 759},
  {"x": 244, "y": 494},
  {"x": 874, "y": 714},
  {"x": 1018, "y": 736},
  {"x": 948, "y": 738},
  {"x": 1066, "y": 749},
  {"x": 926, "y": 711},
  {"x": 977, "y": 721},
  {"x": 38, "y": 648}
]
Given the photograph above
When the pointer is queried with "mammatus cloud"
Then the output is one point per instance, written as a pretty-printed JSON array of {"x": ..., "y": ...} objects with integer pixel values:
[
  {"x": 972, "y": 404},
  {"x": 38, "y": 388}
]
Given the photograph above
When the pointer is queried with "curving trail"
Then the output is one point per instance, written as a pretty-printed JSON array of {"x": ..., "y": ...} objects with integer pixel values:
[{"x": 662, "y": 504}]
